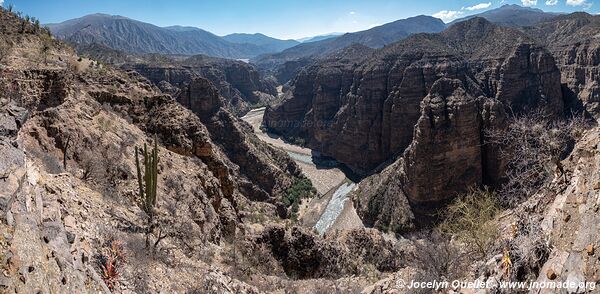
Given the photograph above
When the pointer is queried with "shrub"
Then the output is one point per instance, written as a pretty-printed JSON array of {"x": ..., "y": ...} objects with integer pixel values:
[
  {"x": 302, "y": 188},
  {"x": 110, "y": 261},
  {"x": 529, "y": 249},
  {"x": 439, "y": 258},
  {"x": 533, "y": 146},
  {"x": 470, "y": 217}
]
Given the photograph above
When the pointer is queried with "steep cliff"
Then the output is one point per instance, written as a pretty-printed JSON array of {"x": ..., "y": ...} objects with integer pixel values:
[
  {"x": 572, "y": 40},
  {"x": 362, "y": 111},
  {"x": 238, "y": 82},
  {"x": 427, "y": 99}
]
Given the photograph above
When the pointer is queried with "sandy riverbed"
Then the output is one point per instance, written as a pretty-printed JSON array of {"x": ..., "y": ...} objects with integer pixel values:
[
  {"x": 326, "y": 180},
  {"x": 323, "y": 179}
]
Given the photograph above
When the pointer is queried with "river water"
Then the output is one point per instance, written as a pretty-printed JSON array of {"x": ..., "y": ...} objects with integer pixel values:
[
  {"x": 324, "y": 176},
  {"x": 334, "y": 207}
]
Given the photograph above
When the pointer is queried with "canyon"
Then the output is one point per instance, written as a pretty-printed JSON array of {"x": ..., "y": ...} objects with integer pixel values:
[{"x": 332, "y": 166}]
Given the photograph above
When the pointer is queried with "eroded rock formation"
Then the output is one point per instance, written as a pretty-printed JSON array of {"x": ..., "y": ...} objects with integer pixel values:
[
  {"x": 239, "y": 83},
  {"x": 427, "y": 99}
]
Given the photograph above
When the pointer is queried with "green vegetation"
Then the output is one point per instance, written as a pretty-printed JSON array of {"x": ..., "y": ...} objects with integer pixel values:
[
  {"x": 470, "y": 218},
  {"x": 298, "y": 141},
  {"x": 147, "y": 184},
  {"x": 302, "y": 188},
  {"x": 110, "y": 261}
]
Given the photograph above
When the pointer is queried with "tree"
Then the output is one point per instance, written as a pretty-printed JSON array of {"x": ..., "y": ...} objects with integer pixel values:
[{"x": 45, "y": 49}]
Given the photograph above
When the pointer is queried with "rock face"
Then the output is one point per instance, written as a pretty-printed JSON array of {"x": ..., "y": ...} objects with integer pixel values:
[
  {"x": 570, "y": 219},
  {"x": 238, "y": 82},
  {"x": 572, "y": 40},
  {"x": 427, "y": 99},
  {"x": 363, "y": 111},
  {"x": 437, "y": 164}
]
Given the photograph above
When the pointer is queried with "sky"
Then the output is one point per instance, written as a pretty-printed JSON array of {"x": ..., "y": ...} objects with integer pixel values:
[{"x": 284, "y": 19}]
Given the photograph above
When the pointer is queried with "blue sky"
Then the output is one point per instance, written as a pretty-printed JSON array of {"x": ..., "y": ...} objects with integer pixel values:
[{"x": 279, "y": 18}]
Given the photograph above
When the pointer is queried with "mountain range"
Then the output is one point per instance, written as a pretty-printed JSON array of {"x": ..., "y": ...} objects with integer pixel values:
[
  {"x": 506, "y": 15},
  {"x": 512, "y": 15},
  {"x": 132, "y": 36},
  {"x": 375, "y": 37},
  {"x": 263, "y": 41},
  {"x": 137, "y": 37},
  {"x": 319, "y": 37}
]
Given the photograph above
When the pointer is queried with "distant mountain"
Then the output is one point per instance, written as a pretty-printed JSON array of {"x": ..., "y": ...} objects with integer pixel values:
[
  {"x": 269, "y": 43},
  {"x": 512, "y": 15},
  {"x": 131, "y": 36},
  {"x": 376, "y": 37},
  {"x": 319, "y": 37}
]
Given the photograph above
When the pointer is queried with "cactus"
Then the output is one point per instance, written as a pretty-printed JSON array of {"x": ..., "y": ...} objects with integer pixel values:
[{"x": 147, "y": 183}]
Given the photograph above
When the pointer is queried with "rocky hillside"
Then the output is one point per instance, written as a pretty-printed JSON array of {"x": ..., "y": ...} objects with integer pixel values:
[
  {"x": 238, "y": 82},
  {"x": 258, "y": 39},
  {"x": 572, "y": 39},
  {"x": 72, "y": 218},
  {"x": 133, "y": 36}
]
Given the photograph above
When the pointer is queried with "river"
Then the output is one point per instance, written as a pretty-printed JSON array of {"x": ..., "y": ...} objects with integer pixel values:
[{"x": 331, "y": 209}]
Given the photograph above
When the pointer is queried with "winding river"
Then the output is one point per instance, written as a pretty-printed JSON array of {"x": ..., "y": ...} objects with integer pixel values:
[{"x": 331, "y": 209}]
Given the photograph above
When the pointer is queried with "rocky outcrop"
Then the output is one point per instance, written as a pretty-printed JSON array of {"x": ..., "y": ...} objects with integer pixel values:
[
  {"x": 302, "y": 254},
  {"x": 254, "y": 158},
  {"x": 572, "y": 40},
  {"x": 445, "y": 155},
  {"x": 363, "y": 111},
  {"x": 569, "y": 221},
  {"x": 428, "y": 100},
  {"x": 238, "y": 82}
]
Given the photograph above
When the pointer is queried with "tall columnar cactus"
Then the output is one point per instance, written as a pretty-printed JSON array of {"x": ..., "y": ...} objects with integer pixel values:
[{"x": 147, "y": 183}]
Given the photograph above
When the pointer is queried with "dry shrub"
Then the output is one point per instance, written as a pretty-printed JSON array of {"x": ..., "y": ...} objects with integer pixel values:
[
  {"x": 439, "y": 258},
  {"x": 533, "y": 145},
  {"x": 470, "y": 219},
  {"x": 529, "y": 249}
]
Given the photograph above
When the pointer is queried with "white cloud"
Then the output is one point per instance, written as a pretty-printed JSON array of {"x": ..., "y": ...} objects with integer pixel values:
[
  {"x": 529, "y": 2},
  {"x": 448, "y": 15},
  {"x": 1, "y": 2},
  {"x": 352, "y": 12},
  {"x": 551, "y": 2},
  {"x": 583, "y": 3},
  {"x": 479, "y": 6},
  {"x": 577, "y": 2}
]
